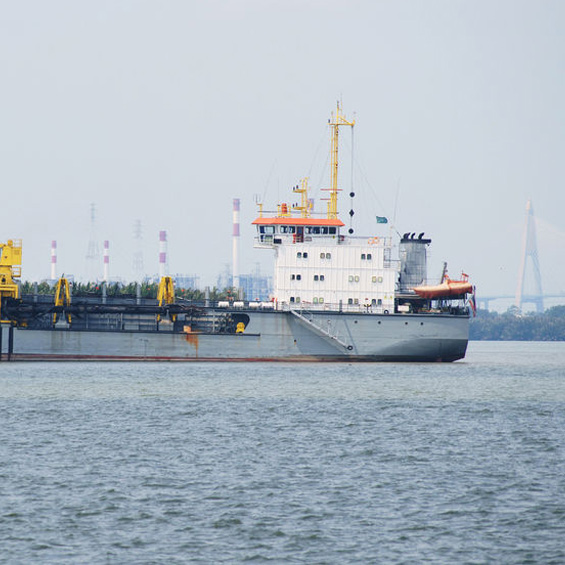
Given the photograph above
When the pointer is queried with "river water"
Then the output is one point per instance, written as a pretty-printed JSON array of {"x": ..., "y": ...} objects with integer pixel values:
[{"x": 286, "y": 463}]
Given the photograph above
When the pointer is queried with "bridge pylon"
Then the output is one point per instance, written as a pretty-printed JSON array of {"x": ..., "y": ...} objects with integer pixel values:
[{"x": 529, "y": 249}]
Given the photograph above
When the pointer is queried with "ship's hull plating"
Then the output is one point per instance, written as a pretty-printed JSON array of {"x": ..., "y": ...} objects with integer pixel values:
[{"x": 269, "y": 336}]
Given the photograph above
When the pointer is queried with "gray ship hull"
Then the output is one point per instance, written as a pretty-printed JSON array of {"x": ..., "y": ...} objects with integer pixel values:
[{"x": 269, "y": 336}]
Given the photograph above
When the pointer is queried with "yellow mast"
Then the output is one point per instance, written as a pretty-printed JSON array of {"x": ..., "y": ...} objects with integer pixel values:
[
  {"x": 338, "y": 120},
  {"x": 305, "y": 205}
]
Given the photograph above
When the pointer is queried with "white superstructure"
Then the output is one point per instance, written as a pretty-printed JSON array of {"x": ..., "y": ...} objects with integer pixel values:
[{"x": 317, "y": 267}]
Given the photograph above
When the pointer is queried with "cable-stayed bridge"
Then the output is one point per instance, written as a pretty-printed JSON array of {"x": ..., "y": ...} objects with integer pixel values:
[{"x": 529, "y": 257}]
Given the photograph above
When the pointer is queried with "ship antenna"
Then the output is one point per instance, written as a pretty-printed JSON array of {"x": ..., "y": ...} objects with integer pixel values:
[{"x": 338, "y": 120}]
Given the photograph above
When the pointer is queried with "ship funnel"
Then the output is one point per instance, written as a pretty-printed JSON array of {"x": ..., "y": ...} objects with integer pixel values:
[{"x": 413, "y": 261}]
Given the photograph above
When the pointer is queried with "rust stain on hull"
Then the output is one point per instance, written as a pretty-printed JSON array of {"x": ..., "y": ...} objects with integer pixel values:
[{"x": 192, "y": 339}]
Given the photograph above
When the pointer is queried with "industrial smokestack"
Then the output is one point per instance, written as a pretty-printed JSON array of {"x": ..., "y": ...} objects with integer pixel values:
[
  {"x": 235, "y": 242},
  {"x": 53, "y": 260},
  {"x": 163, "y": 254},
  {"x": 106, "y": 260}
]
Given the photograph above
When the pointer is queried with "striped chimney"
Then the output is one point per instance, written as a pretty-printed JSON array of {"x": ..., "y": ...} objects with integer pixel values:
[
  {"x": 162, "y": 254},
  {"x": 106, "y": 260},
  {"x": 235, "y": 243},
  {"x": 53, "y": 260}
]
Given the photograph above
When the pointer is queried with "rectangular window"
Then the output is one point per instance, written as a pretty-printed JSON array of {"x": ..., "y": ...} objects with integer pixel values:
[
  {"x": 350, "y": 301},
  {"x": 299, "y": 255},
  {"x": 333, "y": 230},
  {"x": 328, "y": 255},
  {"x": 363, "y": 256},
  {"x": 292, "y": 277},
  {"x": 298, "y": 299},
  {"x": 315, "y": 277},
  {"x": 369, "y": 256},
  {"x": 315, "y": 300},
  {"x": 322, "y": 255},
  {"x": 305, "y": 255},
  {"x": 292, "y": 298},
  {"x": 322, "y": 277},
  {"x": 321, "y": 300}
]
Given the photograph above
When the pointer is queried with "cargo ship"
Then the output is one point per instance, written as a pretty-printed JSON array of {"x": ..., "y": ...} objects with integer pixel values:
[{"x": 336, "y": 297}]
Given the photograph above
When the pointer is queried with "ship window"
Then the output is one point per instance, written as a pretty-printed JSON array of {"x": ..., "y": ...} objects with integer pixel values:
[
  {"x": 315, "y": 277},
  {"x": 332, "y": 230},
  {"x": 350, "y": 278},
  {"x": 315, "y": 300},
  {"x": 298, "y": 277},
  {"x": 292, "y": 298},
  {"x": 355, "y": 301},
  {"x": 363, "y": 256},
  {"x": 321, "y": 300},
  {"x": 322, "y": 255},
  {"x": 305, "y": 255},
  {"x": 373, "y": 302},
  {"x": 369, "y": 256},
  {"x": 322, "y": 277},
  {"x": 292, "y": 277},
  {"x": 324, "y": 230},
  {"x": 374, "y": 279},
  {"x": 380, "y": 302},
  {"x": 328, "y": 255},
  {"x": 380, "y": 279},
  {"x": 350, "y": 301},
  {"x": 299, "y": 255},
  {"x": 298, "y": 299},
  {"x": 316, "y": 230},
  {"x": 356, "y": 278}
]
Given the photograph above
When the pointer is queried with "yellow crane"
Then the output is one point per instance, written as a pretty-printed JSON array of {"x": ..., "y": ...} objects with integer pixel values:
[
  {"x": 62, "y": 297},
  {"x": 166, "y": 295},
  {"x": 10, "y": 271}
]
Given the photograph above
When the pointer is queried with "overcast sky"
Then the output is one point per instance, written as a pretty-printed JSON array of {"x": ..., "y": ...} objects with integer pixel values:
[{"x": 164, "y": 111}]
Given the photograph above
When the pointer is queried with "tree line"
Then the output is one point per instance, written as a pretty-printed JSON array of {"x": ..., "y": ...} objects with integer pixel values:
[
  {"x": 131, "y": 290},
  {"x": 515, "y": 326}
]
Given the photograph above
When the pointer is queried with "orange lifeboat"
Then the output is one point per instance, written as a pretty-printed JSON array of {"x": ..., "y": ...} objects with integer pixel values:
[{"x": 448, "y": 288}]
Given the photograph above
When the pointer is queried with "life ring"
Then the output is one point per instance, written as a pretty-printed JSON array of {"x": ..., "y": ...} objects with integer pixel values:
[{"x": 373, "y": 241}]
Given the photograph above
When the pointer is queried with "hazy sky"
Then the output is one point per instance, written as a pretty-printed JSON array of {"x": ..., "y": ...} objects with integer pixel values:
[{"x": 164, "y": 111}]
